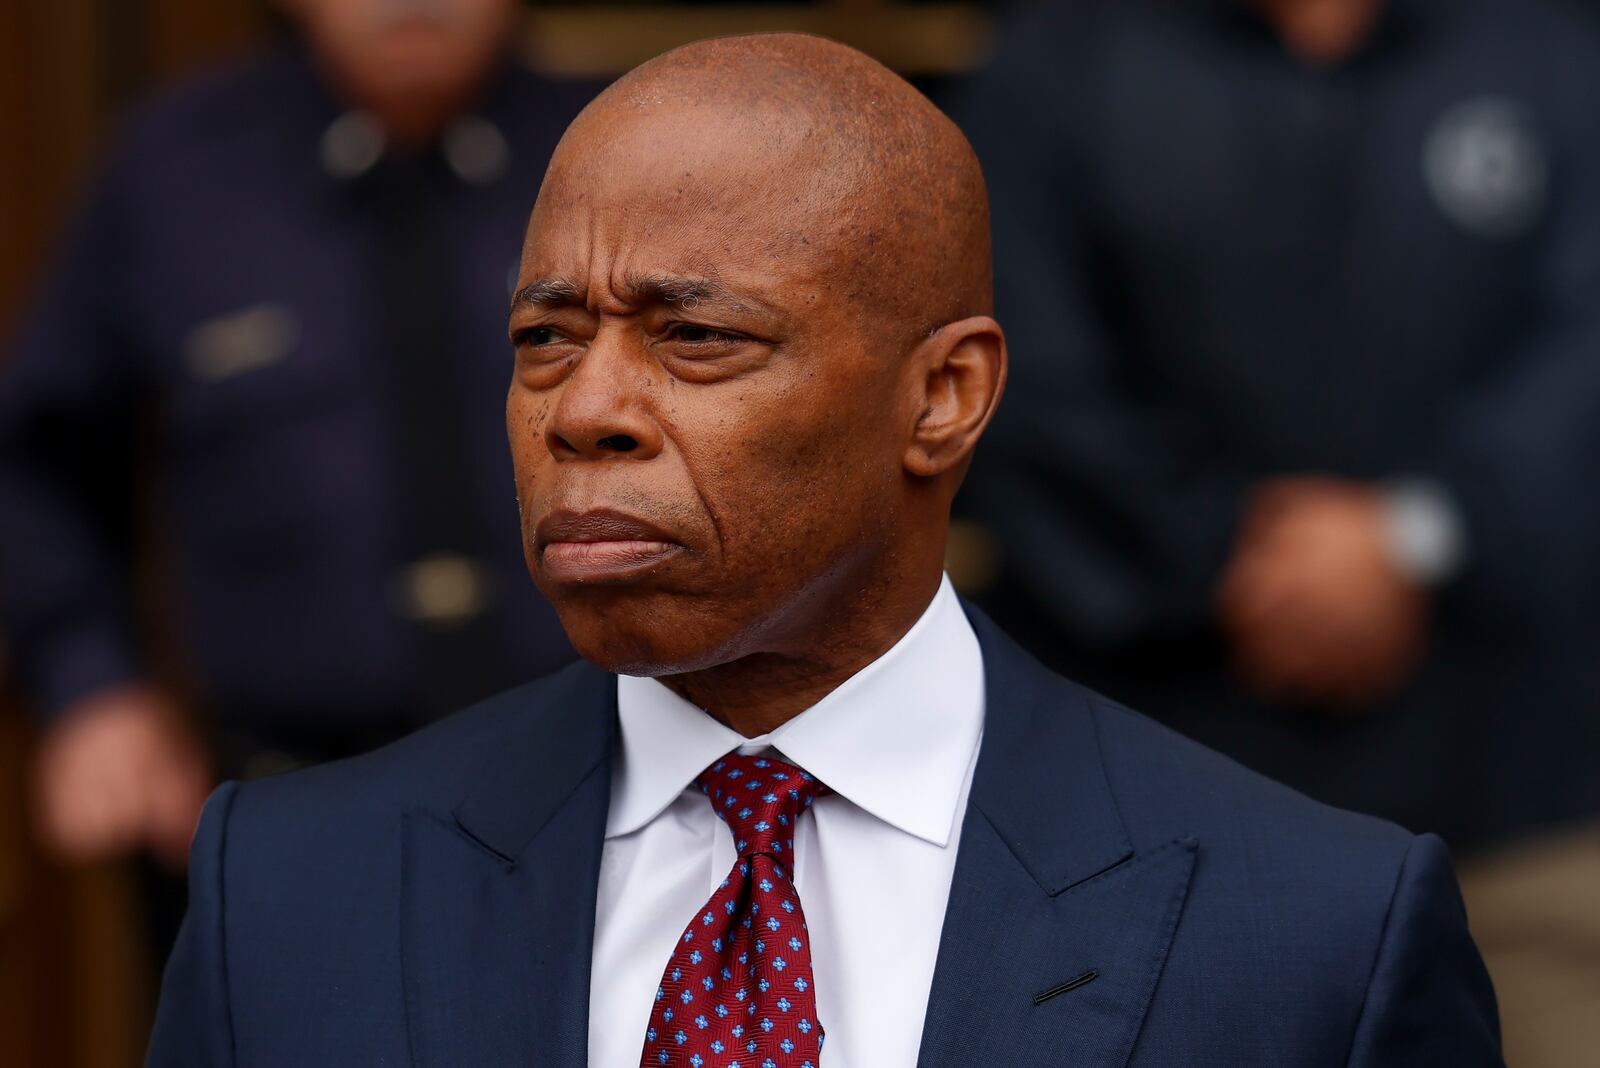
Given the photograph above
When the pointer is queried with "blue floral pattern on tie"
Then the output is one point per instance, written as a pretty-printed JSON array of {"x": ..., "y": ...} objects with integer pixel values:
[{"x": 738, "y": 992}]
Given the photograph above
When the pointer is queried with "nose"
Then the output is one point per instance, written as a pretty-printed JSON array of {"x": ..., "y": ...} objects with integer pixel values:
[{"x": 605, "y": 408}]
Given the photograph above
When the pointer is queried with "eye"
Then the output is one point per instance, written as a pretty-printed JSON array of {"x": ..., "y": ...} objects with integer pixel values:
[
  {"x": 536, "y": 336},
  {"x": 697, "y": 352},
  {"x": 695, "y": 334}
]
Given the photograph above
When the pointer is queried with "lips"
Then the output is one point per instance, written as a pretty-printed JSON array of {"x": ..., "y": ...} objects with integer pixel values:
[{"x": 601, "y": 545}]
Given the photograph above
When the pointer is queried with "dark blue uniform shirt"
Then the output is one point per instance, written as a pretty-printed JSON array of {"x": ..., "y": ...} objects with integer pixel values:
[
  {"x": 218, "y": 302},
  {"x": 1217, "y": 264}
]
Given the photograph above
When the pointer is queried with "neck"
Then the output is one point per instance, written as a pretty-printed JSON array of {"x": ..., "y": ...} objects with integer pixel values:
[
  {"x": 1322, "y": 32},
  {"x": 759, "y": 693}
]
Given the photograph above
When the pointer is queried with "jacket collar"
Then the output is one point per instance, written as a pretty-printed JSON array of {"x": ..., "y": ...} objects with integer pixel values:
[
  {"x": 1026, "y": 797},
  {"x": 555, "y": 743},
  {"x": 497, "y": 895},
  {"x": 1054, "y": 937},
  {"x": 514, "y": 789},
  {"x": 896, "y": 740},
  {"x": 1057, "y": 929}
]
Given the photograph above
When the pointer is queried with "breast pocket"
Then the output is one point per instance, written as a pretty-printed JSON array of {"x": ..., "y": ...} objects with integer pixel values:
[
  {"x": 250, "y": 339},
  {"x": 251, "y": 371}
]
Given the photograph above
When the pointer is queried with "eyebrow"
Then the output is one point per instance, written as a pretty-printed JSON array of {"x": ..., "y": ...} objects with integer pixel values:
[
  {"x": 673, "y": 291},
  {"x": 546, "y": 293}
]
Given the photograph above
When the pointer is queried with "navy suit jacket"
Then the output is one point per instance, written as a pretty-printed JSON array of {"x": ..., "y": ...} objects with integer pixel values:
[{"x": 432, "y": 904}]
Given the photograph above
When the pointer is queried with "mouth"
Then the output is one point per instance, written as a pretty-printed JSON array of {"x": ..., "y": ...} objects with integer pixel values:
[{"x": 600, "y": 546}]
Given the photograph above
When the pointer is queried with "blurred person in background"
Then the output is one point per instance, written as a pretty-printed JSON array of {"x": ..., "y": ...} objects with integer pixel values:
[
  {"x": 192, "y": 397},
  {"x": 1300, "y": 449}
]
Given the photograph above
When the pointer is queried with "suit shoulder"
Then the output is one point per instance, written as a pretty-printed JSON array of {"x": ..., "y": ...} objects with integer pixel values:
[
  {"x": 431, "y": 768},
  {"x": 1162, "y": 779},
  {"x": 1270, "y": 860},
  {"x": 1165, "y": 786}
]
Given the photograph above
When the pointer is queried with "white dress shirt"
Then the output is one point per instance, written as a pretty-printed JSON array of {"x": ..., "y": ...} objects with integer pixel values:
[{"x": 896, "y": 743}]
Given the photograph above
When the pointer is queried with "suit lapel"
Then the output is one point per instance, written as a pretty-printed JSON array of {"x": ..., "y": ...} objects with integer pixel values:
[
  {"x": 498, "y": 895},
  {"x": 1057, "y": 928}
]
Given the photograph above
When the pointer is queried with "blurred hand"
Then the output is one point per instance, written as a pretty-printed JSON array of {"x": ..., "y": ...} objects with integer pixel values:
[
  {"x": 120, "y": 771},
  {"x": 1312, "y": 600}
]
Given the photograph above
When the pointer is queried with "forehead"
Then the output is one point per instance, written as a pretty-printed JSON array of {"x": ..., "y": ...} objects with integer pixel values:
[{"x": 688, "y": 190}]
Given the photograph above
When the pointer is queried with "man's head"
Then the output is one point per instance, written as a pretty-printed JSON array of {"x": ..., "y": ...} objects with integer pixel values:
[
  {"x": 753, "y": 354},
  {"x": 412, "y": 62}
]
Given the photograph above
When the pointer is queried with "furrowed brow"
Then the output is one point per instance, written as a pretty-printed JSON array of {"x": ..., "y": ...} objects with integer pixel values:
[
  {"x": 679, "y": 293},
  {"x": 547, "y": 293}
]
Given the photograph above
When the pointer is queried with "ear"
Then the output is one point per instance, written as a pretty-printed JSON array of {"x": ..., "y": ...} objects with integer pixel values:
[{"x": 961, "y": 368}]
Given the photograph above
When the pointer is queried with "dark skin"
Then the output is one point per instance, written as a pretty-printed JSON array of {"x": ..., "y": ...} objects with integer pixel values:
[
  {"x": 754, "y": 354},
  {"x": 1318, "y": 611}
]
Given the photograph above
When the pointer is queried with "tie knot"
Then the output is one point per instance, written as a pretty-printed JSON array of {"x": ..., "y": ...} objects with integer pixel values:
[{"x": 760, "y": 799}]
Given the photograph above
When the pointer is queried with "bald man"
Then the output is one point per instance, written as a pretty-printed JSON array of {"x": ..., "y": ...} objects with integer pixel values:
[{"x": 798, "y": 789}]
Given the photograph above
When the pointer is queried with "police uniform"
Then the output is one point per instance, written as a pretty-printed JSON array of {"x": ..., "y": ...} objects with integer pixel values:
[
  {"x": 1217, "y": 264},
  {"x": 298, "y": 335}
]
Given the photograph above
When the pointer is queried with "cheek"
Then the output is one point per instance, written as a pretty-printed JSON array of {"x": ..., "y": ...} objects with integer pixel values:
[
  {"x": 800, "y": 471},
  {"x": 525, "y": 418}
]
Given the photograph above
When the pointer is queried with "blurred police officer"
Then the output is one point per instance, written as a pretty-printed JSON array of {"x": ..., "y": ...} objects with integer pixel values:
[
  {"x": 1304, "y": 298},
  {"x": 285, "y": 305}
]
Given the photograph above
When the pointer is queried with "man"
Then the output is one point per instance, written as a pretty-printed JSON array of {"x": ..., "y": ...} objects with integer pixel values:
[
  {"x": 1306, "y": 302},
  {"x": 310, "y": 255},
  {"x": 754, "y": 354},
  {"x": 1304, "y": 297}
]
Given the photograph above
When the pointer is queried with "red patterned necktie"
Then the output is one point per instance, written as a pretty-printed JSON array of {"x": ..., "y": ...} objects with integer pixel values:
[{"x": 738, "y": 992}]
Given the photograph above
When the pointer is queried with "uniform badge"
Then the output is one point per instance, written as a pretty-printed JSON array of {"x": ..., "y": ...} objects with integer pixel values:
[
  {"x": 1486, "y": 166},
  {"x": 241, "y": 341}
]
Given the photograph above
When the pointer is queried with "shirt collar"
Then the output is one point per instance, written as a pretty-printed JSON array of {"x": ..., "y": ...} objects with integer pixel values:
[
  {"x": 896, "y": 739},
  {"x": 473, "y": 146}
]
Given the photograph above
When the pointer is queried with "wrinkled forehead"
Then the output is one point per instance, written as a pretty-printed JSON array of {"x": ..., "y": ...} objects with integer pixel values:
[
  {"x": 645, "y": 123},
  {"x": 747, "y": 189}
]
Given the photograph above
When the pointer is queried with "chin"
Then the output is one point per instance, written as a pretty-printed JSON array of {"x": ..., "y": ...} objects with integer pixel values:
[{"x": 647, "y": 636}]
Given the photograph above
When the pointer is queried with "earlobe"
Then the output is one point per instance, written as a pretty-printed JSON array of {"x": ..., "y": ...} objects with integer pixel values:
[{"x": 962, "y": 375}]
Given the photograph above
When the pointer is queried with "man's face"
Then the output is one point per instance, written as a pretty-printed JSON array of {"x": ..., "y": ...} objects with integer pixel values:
[
  {"x": 707, "y": 427},
  {"x": 387, "y": 49}
]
